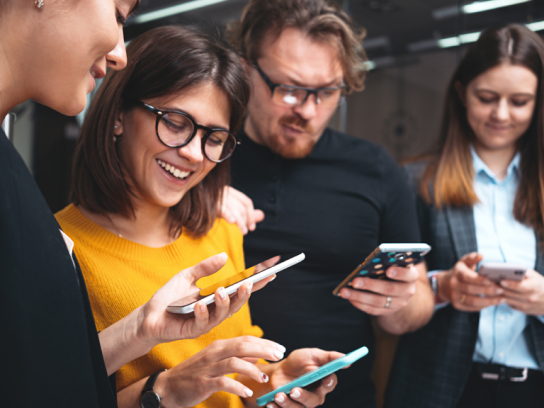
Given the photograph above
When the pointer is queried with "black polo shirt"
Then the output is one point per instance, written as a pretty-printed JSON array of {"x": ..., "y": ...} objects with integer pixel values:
[{"x": 335, "y": 205}]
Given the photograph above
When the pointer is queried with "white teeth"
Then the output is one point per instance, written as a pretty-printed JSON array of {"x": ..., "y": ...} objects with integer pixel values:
[{"x": 171, "y": 169}]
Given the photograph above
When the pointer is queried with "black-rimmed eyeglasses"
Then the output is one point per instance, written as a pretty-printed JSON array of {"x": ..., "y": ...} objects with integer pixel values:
[
  {"x": 293, "y": 96},
  {"x": 177, "y": 129}
]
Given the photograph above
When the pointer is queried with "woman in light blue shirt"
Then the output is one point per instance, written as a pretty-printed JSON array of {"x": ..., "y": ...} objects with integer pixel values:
[{"x": 481, "y": 199}]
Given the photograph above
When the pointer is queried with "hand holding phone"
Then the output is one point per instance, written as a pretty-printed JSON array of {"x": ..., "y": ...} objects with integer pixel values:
[
  {"x": 314, "y": 375},
  {"x": 497, "y": 271},
  {"x": 254, "y": 274}
]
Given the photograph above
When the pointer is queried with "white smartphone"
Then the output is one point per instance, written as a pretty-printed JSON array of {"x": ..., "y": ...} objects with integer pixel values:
[
  {"x": 497, "y": 271},
  {"x": 254, "y": 274}
]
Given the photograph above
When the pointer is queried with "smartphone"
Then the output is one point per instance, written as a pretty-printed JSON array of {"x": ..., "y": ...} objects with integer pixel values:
[
  {"x": 254, "y": 274},
  {"x": 497, "y": 271},
  {"x": 315, "y": 375},
  {"x": 383, "y": 257}
]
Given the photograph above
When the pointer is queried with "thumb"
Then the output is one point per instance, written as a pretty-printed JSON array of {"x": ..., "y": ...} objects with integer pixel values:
[
  {"x": 208, "y": 266},
  {"x": 472, "y": 259},
  {"x": 258, "y": 215}
]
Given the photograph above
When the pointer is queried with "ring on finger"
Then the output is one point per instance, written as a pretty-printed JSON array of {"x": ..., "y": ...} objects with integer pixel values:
[
  {"x": 463, "y": 297},
  {"x": 387, "y": 302}
]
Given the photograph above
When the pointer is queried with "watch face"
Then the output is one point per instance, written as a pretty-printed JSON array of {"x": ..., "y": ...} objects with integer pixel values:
[{"x": 150, "y": 400}]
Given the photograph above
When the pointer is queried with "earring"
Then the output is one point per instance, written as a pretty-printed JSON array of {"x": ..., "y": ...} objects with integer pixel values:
[
  {"x": 114, "y": 139},
  {"x": 39, "y": 4}
]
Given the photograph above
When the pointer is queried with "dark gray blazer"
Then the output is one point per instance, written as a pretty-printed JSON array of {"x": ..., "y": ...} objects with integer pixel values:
[{"x": 432, "y": 364}]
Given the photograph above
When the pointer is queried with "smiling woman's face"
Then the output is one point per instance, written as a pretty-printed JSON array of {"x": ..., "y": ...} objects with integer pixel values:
[
  {"x": 500, "y": 103},
  {"x": 144, "y": 157},
  {"x": 67, "y": 45}
]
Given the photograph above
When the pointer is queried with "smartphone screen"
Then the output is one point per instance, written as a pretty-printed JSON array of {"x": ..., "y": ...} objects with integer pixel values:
[{"x": 209, "y": 290}]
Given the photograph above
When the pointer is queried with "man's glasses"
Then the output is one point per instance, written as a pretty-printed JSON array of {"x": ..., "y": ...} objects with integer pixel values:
[
  {"x": 177, "y": 129},
  {"x": 293, "y": 96}
]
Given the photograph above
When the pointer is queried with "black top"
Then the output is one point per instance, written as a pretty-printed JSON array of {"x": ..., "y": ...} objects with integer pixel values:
[
  {"x": 336, "y": 206},
  {"x": 51, "y": 355}
]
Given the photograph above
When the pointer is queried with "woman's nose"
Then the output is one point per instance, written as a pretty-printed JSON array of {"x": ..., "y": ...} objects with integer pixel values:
[{"x": 117, "y": 58}]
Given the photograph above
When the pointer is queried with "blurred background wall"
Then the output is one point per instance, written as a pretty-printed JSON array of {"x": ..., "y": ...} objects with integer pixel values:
[{"x": 413, "y": 47}]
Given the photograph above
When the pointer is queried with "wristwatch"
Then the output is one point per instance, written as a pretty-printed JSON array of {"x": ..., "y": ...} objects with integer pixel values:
[{"x": 150, "y": 399}]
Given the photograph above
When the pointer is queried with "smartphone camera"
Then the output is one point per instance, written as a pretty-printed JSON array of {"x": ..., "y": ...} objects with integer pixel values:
[
  {"x": 518, "y": 272},
  {"x": 400, "y": 257}
]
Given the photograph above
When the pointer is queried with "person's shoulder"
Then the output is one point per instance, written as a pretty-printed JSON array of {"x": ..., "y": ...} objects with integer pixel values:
[{"x": 67, "y": 217}]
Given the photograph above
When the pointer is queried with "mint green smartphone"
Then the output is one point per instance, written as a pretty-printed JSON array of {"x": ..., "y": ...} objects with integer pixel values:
[{"x": 315, "y": 375}]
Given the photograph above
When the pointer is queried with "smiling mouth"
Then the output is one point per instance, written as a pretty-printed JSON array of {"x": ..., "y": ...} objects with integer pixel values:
[{"x": 177, "y": 173}]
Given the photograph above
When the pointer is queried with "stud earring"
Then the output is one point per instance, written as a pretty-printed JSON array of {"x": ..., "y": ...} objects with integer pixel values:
[{"x": 39, "y": 4}]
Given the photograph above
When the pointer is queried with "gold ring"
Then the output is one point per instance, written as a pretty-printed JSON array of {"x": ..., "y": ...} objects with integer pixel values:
[{"x": 463, "y": 297}]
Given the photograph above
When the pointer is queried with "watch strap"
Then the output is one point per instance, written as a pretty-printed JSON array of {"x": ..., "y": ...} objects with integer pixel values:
[{"x": 149, "y": 384}]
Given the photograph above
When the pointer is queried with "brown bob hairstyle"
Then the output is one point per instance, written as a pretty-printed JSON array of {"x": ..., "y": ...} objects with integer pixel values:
[
  {"x": 163, "y": 62},
  {"x": 448, "y": 179},
  {"x": 322, "y": 20}
]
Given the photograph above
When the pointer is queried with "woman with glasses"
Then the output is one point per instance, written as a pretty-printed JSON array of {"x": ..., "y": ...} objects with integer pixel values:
[{"x": 149, "y": 170}]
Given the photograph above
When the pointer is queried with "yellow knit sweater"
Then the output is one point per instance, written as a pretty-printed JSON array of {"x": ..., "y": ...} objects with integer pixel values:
[{"x": 121, "y": 275}]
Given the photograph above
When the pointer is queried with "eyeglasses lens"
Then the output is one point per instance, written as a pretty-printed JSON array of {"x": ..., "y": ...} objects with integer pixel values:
[
  {"x": 286, "y": 96},
  {"x": 175, "y": 130}
]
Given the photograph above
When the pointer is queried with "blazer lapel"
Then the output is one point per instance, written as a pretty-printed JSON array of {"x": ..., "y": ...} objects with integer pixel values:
[
  {"x": 539, "y": 264},
  {"x": 461, "y": 226}
]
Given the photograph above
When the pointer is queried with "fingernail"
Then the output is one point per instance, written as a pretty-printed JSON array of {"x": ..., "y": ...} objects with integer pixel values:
[
  {"x": 278, "y": 354},
  {"x": 330, "y": 383},
  {"x": 222, "y": 293},
  {"x": 296, "y": 393},
  {"x": 502, "y": 301},
  {"x": 202, "y": 306},
  {"x": 346, "y": 294},
  {"x": 392, "y": 273},
  {"x": 264, "y": 377},
  {"x": 358, "y": 284},
  {"x": 270, "y": 406},
  {"x": 504, "y": 283},
  {"x": 231, "y": 220},
  {"x": 244, "y": 230},
  {"x": 281, "y": 348},
  {"x": 248, "y": 392},
  {"x": 252, "y": 227},
  {"x": 274, "y": 277},
  {"x": 279, "y": 398},
  {"x": 248, "y": 289},
  {"x": 499, "y": 291}
]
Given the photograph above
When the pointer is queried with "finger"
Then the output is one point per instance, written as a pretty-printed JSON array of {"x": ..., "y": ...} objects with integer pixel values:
[
  {"x": 518, "y": 304},
  {"x": 385, "y": 287},
  {"x": 226, "y": 214},
  {"x": 472, "y": 259},
  {"x": 261, "y": 284},
  {"x": 523, "y": 287},
  {"x": 467, "y": 275},
  {"x": 359, "y": 298},
  {"x": 240, "y": 298},
  {"x": 472, "y": 303},
  {"x": 206, "y": 267},
  {"x": 222, "y": 307},
  {"x": 320, "y": 357},
  {"x": 248, "y": 346},
  {"x": 285, "y": 401},
  {"x": 240, "y": 217},
  {"x": 522, "y": 297},
  {"x": 258, "y": 216},
  {"x": 471, "y": 289},
  {"x": 237, "y": 365},
  {"x": 202, "y": 317},
  {"x": 404, "y": 274},
  {"x": 227, "y": 384}
]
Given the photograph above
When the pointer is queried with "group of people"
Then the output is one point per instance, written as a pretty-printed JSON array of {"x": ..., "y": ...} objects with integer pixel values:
[{"x": 204, "y": 158}]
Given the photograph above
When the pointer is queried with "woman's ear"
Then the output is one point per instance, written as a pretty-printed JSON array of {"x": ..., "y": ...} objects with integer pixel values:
[
  {"x": 461, "y": 92},
  {"x": 118, "y": 124}
]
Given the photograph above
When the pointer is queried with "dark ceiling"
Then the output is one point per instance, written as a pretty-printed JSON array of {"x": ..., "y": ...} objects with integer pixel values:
[{"x": 391, "y": 24}]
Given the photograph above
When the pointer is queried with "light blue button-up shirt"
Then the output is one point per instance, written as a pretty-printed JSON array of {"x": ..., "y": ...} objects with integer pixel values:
[{"x": 500, "y": 238}]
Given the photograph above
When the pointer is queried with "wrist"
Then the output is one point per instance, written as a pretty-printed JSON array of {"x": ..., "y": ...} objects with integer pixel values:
[
  {"x": 441, "y": 287},
  {"x": 135, "y": 334}
]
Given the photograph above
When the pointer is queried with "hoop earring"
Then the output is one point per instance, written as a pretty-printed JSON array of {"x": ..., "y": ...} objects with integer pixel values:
[{"x": 39, "y": 4}]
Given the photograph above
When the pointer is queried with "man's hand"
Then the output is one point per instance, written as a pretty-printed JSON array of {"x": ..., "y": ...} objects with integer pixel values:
[
  {"x": 237, "y": 208},
  {"x": 465, "y": 289},
  {"x": 380, "y": 297},
  {"x": 298, "y": 363},
  {"x": 527, "y": 296}
]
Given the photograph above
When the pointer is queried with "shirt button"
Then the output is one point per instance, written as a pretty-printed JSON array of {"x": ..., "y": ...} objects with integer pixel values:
[{"x": 272, "y": 199}]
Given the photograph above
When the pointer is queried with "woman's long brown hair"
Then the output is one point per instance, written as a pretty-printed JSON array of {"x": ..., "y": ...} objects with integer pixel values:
[
  {"x": 162, "y": 62},
  {"x": 448, "y": 179}
]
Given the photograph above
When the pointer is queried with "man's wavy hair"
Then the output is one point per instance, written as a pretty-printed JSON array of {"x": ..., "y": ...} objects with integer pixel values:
[
  {"x": 322, "y": 20},
  {"x": 163, "y": 62}
]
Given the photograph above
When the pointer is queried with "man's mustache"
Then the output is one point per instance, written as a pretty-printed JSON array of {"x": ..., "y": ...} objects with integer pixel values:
[{"x": 296, "y": 122}]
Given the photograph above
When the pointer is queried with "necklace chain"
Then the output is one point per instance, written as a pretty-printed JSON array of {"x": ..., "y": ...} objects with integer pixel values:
[{"x": 114, "y": 226}]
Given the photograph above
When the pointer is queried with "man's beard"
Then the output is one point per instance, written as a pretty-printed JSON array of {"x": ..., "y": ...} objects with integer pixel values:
[{"x": 291, "y": 148}]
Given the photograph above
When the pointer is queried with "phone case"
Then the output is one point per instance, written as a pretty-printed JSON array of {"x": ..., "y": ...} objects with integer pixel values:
[
  {"x": 383, "y": 257},
  {"x": 315, "y": 375}
]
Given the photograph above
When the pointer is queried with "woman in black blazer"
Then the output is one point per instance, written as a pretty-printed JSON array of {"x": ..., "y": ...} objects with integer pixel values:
[
  {"x": 52, "y": 51},
  {"x": 480, "y": 197}
]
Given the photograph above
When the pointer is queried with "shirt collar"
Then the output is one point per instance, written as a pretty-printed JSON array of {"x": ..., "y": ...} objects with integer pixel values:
[{"x": 481, "y": 168}]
